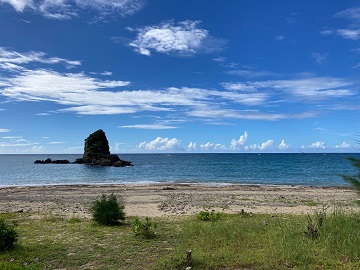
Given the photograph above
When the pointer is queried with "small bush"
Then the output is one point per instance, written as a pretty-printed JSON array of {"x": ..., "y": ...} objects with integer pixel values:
[
  {"x": 144, "y": 229},
  {"x": 107, "y": 211},
  {"x": 8, "y": 235},
  {"x": 209, "y": 216}
]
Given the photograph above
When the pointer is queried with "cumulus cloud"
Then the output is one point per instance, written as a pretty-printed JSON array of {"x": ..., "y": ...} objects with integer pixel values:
[
  {"x": 161, "y": 144},
  {"x": 264, "y": 146},
  {"x": 209, "y": 146},
  {"x": 283, "y": 145},
  {"x": 317, "y": 145},
  {"x": 236, "y": 144},
  {"x": 67, "y": 9},
  {"x": 192, "y": 146},
  {"x": 184, "y": 38},
  {"x": 343, "y": 145}
]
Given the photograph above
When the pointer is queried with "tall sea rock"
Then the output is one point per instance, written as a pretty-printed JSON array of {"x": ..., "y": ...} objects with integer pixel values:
[{"x": 97, "y": 152}]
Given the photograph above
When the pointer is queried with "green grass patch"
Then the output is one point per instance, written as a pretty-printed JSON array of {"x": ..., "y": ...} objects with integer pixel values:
[
  {"x": 309, "y": 202},
  {"x": 236, "y": 241}
]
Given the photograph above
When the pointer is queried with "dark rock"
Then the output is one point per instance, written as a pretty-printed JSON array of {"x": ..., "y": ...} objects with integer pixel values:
[
  {"x": 97, "y": 153},
  {"x": 96, "y": 146},
  {"x": 49, "y": 161}
]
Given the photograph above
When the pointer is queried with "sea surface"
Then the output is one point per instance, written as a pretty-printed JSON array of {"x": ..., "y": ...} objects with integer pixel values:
[{"x": 266, "y": 169}]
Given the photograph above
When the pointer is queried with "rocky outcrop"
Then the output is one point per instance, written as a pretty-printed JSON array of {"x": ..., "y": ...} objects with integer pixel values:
[
  {"x": 97, "y": 153},
  {"x": 50, "y": 161}
]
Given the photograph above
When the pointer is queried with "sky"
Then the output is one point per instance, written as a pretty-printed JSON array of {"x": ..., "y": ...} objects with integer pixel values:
[{"x": 180, "y": 76}]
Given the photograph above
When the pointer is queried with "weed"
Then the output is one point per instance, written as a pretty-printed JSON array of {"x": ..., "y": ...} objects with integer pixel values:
[
  {"x": 144, "y": 229},
  {"x": 209, "y": 216}
]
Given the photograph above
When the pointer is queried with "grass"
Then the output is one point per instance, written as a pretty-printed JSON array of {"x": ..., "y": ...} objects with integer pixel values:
[{"x": 235, "y": 242}]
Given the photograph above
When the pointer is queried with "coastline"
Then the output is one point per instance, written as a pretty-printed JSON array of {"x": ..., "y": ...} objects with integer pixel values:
[{"x": 170, "y": 199}]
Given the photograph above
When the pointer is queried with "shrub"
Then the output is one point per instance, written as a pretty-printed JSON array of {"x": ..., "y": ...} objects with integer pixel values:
[
  {"x": 8, "y": 235},
  {"x": 107, "y": 210},
  {"x": 209, "y": 216},
  {"x": 144, "y": 229}
]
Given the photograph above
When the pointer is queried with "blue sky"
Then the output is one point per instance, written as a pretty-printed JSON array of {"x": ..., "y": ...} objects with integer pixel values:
[{"x": 180, "y": 76}]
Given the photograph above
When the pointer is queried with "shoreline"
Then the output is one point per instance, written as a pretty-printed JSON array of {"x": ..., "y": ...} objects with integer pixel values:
[{"x": 176, "y": 199}]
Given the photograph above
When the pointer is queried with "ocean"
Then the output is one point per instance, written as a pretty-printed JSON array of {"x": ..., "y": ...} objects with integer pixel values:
[{"x": 218, "y": 169}]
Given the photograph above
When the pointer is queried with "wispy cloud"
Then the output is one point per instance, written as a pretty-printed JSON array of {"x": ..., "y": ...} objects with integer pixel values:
[
  {"x": 87, "y": 94},
  {"x": 184, "y": 38},
  {"x": 13, "y": 60},
  {"x": 251, "y": 73},
  {"x": 67, "y": 9},
  {"x": 313, "y": 87},
  {"x": 150, "y": 126},
  {"x": 352, "y": 30},
  {"x": 4, "y": 130}
]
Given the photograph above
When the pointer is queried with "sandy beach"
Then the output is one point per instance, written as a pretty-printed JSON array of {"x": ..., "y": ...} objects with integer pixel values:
[{"x": 157, "y": 200}]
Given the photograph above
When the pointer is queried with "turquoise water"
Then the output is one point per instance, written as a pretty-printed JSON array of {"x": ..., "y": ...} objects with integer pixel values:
[{"x": 268, "y": 169}]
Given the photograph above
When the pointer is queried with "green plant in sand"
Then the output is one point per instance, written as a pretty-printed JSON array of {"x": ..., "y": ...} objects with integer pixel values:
[
  {"x": 144, "y": 228},
  {"x": 8, "y": 235},
  {"x": 108, "y": 211}
]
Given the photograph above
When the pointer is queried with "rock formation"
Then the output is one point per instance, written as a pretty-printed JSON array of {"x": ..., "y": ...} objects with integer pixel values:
[{"x": 96, "y": 152}]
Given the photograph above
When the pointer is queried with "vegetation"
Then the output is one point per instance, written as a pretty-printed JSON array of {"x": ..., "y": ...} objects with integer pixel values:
[
  {"x": 8, "y": 235},
  {"x": 144, "y": 228},
  {"x": 96, "y": 145},
  {"x": 107, "y": 211},
  {"x": 255, "y": 241},
  {"x": 355, "y": 179},
  {"x": 209, "y": 216}
]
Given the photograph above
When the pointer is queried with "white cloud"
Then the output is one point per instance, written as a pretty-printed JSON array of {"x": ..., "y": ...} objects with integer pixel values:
[
  {"x": 192, "y": 146},
  {"x": 343, "y": 145},
  {"x": 353, "y": 34},
  {"x": 11, "y": 60},
  {"x": 149, "y": 126},
  {"x": 184, "y": 38},
  {"x": 19, "y": 5},
  {"x": 250, "y": 73},
  {"x": 320, "y": 58},
  {"x": 67, "y": 9},
  {"x": 266, "y": 145},
  {"x": 236, "y": 144},
  {"x": 161, "y": 144},
  {"x": 239, "y": 86},
  {"x": 283, "y": 145},
  {"x": 209, "y": 146},
  {"x": 352, "y": 31},
  {"x": 318, "y": 145},
  {"x": 313, "y": 87},
  {"x": 4, "y": 130}
]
